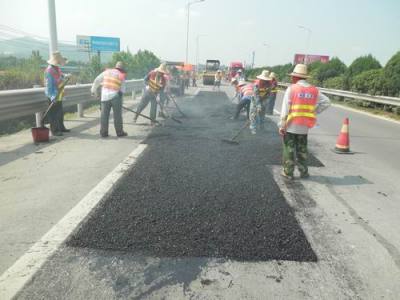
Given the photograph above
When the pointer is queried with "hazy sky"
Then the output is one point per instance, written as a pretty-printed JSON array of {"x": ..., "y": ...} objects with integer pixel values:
[{"x": 232, "y": 28}]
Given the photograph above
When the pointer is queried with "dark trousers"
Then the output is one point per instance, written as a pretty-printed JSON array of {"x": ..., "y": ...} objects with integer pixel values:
[
  {"x": 56, "y": 117},
  {"x": 116, "y": 105},
  {"x": 147, "y": 97},
  {"x": 245, "y": 103},
  {"x": 271, "y": 104},
  {"x": 295, "y": 150}
]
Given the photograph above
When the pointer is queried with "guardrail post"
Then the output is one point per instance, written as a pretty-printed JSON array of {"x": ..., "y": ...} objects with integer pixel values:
[
  {"x": 80, "y": 110},
  {"x": 38, "y": 117}
]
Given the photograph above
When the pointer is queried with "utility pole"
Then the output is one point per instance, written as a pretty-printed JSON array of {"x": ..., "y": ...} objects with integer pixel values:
[
  {"x": 53, "y": 43},
  {"x": 198, "y": 50},
  {"x": 309, "y": 31},
  {"x": 253, "y": 58},
  {"x": 187, "y": 27}
]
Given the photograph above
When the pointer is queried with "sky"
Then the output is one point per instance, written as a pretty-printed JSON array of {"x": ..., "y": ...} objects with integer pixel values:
[{"x": 229, "y": 30}]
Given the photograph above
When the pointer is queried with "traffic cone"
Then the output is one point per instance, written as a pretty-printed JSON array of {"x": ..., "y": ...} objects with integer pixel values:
[{"x": 343, "y": 140}]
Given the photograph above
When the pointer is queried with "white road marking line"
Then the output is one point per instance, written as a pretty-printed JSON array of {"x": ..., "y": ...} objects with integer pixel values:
[
  {"x": 365, "y": 113},
  {"x": 22, "y": 271}
]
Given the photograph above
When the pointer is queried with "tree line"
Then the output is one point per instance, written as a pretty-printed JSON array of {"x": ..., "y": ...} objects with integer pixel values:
[
  {"x": 20, "y": 73},
  {"x": 364, "y": 75}
]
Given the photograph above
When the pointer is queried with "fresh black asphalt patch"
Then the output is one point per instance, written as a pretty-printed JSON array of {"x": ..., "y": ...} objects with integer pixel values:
[{"x": 191, "y": 195}]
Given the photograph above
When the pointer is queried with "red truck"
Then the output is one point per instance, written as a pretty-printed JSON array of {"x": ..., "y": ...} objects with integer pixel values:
[{"x": 233, "y": 68}]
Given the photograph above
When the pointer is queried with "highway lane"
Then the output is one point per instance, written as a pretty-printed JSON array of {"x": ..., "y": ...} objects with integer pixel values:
[
  {"x": 374, "y": 137},
  {"x": 349, "y": 225}
]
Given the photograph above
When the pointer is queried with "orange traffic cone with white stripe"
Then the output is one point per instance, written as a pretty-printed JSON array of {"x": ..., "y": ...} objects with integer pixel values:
[{"x": 343, "y": 140}]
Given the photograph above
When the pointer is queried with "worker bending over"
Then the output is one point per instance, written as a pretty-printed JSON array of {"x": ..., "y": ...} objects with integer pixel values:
[
  {"x": 246, "y": 96},
  {"x": 155, "y": 82},
  {"x": 262, "y": 87},
  {"x": 301, "y": 102}
]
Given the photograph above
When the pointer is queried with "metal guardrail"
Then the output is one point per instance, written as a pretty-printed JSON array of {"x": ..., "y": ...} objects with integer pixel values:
[
  {"x": 25, "y": 102},
  {"x": 357, "y": 96}
]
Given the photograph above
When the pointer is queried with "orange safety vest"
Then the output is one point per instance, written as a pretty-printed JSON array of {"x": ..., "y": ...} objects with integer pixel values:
[
  {"x": 262, "y": 88},
  {"x": 247, "y": 90},
  {"x": 156, "y": 83},
  {"x": 302, "y": 101},
  {"x": 113, "y": 79}
]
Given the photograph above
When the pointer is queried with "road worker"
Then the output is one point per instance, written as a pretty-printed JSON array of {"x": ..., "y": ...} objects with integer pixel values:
[
  {"x": 262, "y": 87},
  {"x": 217, "y": 79},
  {"x": 164, "y": 91},
  {"x": 246, "y": 96},
  {"x": 194, "y": 79},
  {"x": 301, "y": 102},
  {"x": 239, "y": 75},
  {"x": 234, "y": 83},
  {"x": 155, "y": 81},
  {"x": 113, "y": 86},
  {"x": 55, "y": 81},
  {"x": 272, "y": 94}
]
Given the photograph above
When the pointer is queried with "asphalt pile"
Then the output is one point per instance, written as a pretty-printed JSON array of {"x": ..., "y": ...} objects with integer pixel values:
[{"x": 191, "y": 195}]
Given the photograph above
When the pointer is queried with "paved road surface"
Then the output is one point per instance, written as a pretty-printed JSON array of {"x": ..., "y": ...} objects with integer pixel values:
[{"x": 347, "y": 212}]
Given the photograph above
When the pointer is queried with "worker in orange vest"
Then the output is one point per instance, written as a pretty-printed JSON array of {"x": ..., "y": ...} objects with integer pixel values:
[
  {"x": 113, "y": 88},
  {"x": 272, "y": 94},
  {"x": 155, "y": 82},
  {"x": 301, "y": 103},
  {"x": 55, "y": 82},
  {"x": 246, "y": 96},
  {"x": 262, "y": 88}
]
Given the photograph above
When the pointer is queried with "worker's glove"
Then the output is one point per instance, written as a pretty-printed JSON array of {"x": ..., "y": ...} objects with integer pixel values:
[{"x": 282, "y": 127}]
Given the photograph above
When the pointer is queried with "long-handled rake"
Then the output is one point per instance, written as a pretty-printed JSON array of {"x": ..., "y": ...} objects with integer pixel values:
[
  {"x": 233, "y": 141},
  {"x": 144, "y": 116},
  {"x": 176, "y": 105}
]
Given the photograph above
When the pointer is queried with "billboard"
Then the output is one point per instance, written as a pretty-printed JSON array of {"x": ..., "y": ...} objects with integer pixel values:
[
  {"x": 104, "y": 44},
  {"x": 83, "y": 43},
  {"x": 97, "y": 43},
  {"x": 309, "y": 58}
]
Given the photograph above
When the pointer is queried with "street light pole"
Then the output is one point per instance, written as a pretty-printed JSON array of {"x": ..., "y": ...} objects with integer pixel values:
[
  {"x": 53, "y": 44},
  {"x": 266, "y": 52},
  {"x": 309, "y": 31},
  {"x": 187, "y": 27},
  {"x": 198, "y": 49}
]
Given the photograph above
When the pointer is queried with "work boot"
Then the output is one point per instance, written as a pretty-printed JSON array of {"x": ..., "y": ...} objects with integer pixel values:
[
  {"x": 104, "y": 135},
  {"x": 122, "y": 134},
  {"x": 287, "y": 176},
  {"x": 57, "y": 133},
  {"x": 65, "y": 130},
  {"x": 304, "y": 175}
]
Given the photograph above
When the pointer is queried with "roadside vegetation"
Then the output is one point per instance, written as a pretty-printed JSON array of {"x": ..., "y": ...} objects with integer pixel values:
[
  {"x": 364, "y": 75},
  {"x": 22, "y": 73}
]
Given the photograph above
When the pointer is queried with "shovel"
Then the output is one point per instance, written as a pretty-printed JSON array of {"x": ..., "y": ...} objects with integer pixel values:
[
  {"x": 146, "y": 117},
  {"x": 176, "y": 105},
  {"x": 233, "y": 141},
  {"x": 167, "y": 115}
]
